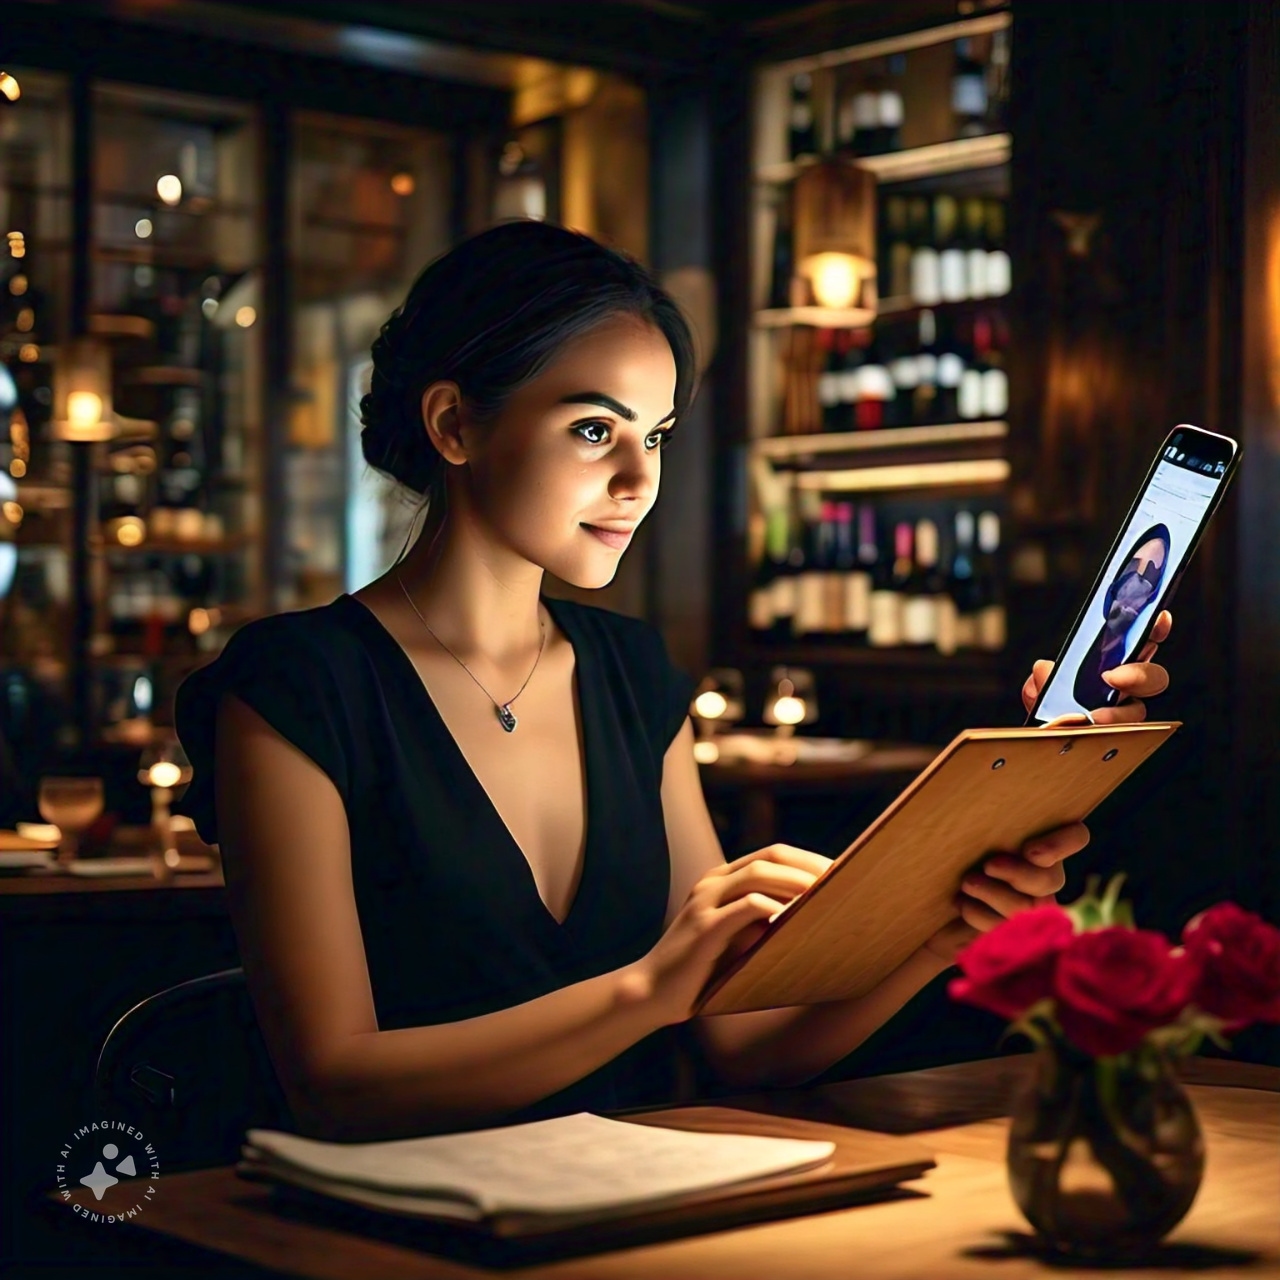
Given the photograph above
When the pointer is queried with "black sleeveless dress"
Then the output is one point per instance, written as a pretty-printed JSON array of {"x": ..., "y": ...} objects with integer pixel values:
[{"x": 452, "y": 921}]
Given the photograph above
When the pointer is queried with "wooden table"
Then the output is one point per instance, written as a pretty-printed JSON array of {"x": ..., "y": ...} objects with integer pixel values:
[
  {"x": 755, "y": 788},
  {"x": 957, "y": 1222}
]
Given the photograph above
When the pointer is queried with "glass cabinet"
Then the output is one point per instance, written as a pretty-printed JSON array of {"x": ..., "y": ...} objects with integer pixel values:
[{"x": 370, "y": 206}]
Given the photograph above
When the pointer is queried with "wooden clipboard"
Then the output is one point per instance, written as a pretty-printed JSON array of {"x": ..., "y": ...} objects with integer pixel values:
[{"x": 894, "y": 887}]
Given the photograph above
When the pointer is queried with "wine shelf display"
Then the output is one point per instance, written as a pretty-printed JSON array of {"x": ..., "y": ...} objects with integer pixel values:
[
  {"x": 877, "y": 435},
  {"x": 175, "y": 275}
]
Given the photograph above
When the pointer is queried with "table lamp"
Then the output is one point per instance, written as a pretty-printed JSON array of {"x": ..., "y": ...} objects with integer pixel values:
[
  {"x": 164, "y": 768},
  {"x": 792, "y": 700},
  {"x": 717, "y": 702}
]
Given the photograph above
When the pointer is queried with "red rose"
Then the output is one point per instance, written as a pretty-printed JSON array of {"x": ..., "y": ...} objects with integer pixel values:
[
  {"x": 1239, "y": 960},
  {"x": 1112, "y": 986},
  {"x": 1008, "y": 969}
]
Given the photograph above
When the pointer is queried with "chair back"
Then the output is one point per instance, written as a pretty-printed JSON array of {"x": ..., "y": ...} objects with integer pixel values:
[{"x": 188, "y": 1066}]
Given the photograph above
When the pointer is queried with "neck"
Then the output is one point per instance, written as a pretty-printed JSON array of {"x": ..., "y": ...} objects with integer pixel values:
[{"x": 477, "y": 594}]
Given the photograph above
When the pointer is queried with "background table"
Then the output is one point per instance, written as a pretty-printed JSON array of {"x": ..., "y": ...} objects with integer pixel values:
[{"x": 956, "y": 1223}]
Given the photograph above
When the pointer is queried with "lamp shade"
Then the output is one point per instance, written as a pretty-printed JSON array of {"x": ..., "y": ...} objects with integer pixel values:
[
  {"x": 835, "y": 230},
  {"x": 82, "y": 408}
]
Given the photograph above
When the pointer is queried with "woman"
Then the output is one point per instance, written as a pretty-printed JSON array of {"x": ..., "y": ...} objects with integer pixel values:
[
  {"x": 469, "y": 864},
  {"x": 1134, "y": 588}
]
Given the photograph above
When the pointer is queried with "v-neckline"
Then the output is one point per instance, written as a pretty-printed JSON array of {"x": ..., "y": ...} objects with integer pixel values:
[{"x": 400, "y": 655}]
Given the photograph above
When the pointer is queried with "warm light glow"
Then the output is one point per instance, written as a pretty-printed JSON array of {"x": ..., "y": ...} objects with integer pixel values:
[
  {"x": 836, "y": 278},
  {"x": 13, "y": 512},
  {"x": 17, "y": 468},
  {"x": 402, "y": 184},
  {"x": 26, "y": 320},
  {"x": 169, "y": 188},
  {"x": 789, "y": 710},
  {"x": 28, "y": 353},
  {"x": 706, "y": 752},
  {"x": 128, "y": 531},
  {"x": 245, "y": 316},
  {"x": 201, "y": 620},
  {"x": 142, "y": 228},
  {"x": 10, "y": 87},
  {"x": 710, "y": 705},
  {"x": 164, "y": 773},
  {"x": 18, "y": 286},
  {"x": 84, "y": 409}
]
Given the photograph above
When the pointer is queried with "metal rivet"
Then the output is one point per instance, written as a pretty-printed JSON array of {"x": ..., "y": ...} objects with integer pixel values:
[
  {"x": 998, "y": 764},
  {"x": 1111, "y": 755},
  {"x": 1066, "y": 746}
]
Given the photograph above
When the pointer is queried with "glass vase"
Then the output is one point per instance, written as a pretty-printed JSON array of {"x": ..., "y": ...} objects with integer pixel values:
[{"x": 1105, "y": 1155}]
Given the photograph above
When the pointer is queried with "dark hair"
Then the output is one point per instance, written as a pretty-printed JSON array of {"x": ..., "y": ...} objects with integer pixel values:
[
  {"x": 1157, "y": 533},
  {"x": 490, "y": 315}
]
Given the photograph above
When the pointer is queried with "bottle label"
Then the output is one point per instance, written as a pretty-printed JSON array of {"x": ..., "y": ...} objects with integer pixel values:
[
  {"x": 991, "y": 627},
  {"x": 970, "y": 400},
  {"x": 891, "y": 109},
  {"x": 926, "y": 368},
  {"x": 857, "y": 601},
  {"x": 968, "y": 95},
  {"x": 950, "y": 370},
  {"x": 946, "y": 639},
  {"x": 995, "y": 393},
  {"x": 809, "y": 612},
  {"x": 784, "y": 597},
  {"x": 919, "y": 620},
  {"x": 828, "y": 390},
  {"x": 884, "y": 629},
  {"x": 999, "y": 274},
  {"x": 760, "y": 609},
  {"x": 801, "y": 116},
  {"x": 849, "y": 384},
  {"x": 926, "y": 283},
  {"x": 953, "y": 275},
  {"x": 866, "y": 111},
  {"x": 976, "y": 270}
]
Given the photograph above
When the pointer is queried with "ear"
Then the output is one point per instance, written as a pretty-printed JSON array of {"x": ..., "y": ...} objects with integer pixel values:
[{"x": 443, "y": 419}]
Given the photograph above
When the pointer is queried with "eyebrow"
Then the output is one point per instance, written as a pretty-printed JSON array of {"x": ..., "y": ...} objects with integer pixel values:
[{"x": 602, "y": 401}]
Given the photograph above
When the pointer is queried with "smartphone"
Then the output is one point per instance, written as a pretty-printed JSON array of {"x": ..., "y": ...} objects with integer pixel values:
[{"x": 1182, "y": 490}]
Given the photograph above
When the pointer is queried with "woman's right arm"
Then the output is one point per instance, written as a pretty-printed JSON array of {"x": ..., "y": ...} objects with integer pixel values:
[{"x": 287, "y": 858}]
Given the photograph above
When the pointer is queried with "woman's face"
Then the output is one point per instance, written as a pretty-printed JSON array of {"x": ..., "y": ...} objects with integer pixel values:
[
  {"x": 1137, "y": 583},
  {"x": 571, "y": 465}
]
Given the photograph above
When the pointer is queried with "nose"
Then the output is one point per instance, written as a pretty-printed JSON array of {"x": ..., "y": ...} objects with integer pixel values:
[{"x": 635, "y": 473}]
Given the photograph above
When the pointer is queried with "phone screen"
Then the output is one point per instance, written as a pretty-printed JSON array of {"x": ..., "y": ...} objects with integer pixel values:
[{"x": 1144, "y": 565}]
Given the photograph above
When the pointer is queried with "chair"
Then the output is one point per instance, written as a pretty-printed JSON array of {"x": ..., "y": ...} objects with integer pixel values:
[{"x": 188, "y": 1065}]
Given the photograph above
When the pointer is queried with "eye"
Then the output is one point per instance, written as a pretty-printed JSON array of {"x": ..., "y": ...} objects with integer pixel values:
[
  {"x": 583, "y": 427},
  {"x": 659, "y": 439}
]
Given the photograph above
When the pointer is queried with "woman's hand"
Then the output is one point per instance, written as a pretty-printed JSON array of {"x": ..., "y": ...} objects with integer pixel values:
[
  {"x": 1006, "y": 884},
  {"x": 1134, "y": 680},
  {"x": 724, "y": 914}
]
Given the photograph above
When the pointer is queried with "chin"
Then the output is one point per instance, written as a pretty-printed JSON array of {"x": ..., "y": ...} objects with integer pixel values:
[{"x": 585, "y": 575}]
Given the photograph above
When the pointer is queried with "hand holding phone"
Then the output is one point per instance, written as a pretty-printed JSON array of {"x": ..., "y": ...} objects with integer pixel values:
[{"x": 1183, "y": 488}]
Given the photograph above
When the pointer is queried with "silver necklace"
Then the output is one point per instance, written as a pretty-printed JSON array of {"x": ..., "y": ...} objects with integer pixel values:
[{"x": 506, "y": 717}]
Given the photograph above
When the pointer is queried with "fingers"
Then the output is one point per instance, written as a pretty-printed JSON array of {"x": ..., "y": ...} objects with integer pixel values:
[
  {"x": 1052, "y": 847},
  {"x": 979, "y": 916},
  {"x": 1040, "y": 671},
  {"x": 1138, "y": 679},
  {"x": 1020, "y": 875},
  {"x": 1127, "y": 713},
  {"x": 1164, "y": 624},
  {"x": 778, "y": 881},
  {"x": 786, "y": 855}
]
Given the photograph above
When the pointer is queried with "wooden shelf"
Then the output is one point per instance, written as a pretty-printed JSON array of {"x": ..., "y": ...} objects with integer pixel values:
[
  {"x": 121, "y": 326},
  {"x": 967, "y": 671},
  {"x": 933, "y": 161},
  {"x": 164, "y": 375},
  {"x": 181, "y": 547},
  {"x": 893, "y": 307},
  {"x": 797, "y": 448},
  {"x": 941, "y": 158},
  {"x": 978, "y": 474},
  {"x": 818, "y": 317}
]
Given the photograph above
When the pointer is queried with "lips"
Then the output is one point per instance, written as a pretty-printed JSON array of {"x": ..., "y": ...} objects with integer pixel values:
[{"x": 617, "y": 539}]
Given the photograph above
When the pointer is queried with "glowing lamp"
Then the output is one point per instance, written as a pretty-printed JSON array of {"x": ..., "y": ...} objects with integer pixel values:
[
  {"x": 792, "y": 699},
  {"x": 82, "y": 393}
]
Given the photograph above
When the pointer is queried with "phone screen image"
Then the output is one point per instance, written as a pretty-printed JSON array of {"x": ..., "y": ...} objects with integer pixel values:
[{"x": 1157, "y": 539}]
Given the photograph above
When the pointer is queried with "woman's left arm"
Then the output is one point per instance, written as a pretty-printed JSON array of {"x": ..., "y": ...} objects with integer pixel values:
[{"x": 789, "y": 1046}]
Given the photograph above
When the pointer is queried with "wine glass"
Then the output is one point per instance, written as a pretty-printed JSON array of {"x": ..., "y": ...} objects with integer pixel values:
[
  {"x": 72, "y": 805},
  {"x": 164, "y": 768}
]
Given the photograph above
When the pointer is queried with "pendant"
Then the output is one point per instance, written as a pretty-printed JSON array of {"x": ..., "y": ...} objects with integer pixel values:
[{"x": 506, "y": 717}]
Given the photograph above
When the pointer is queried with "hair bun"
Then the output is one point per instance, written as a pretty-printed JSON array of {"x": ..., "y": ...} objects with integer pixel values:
[{"x": 392, "y": 437}]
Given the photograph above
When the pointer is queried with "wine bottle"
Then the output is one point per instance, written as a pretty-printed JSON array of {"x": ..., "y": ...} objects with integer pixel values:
[
  {"x": 946, "y": 613},
  {"x": 890, "y": 110},
  {"x": 897, "y": 256},
  {"x": 968, "y": 92},
  {"x": 953, "y": 284},
  {"x": 810, "y": 570},
  {"x": 905, "y": 372},
  {"x": 760, "y": 604},
  {"x": 830, "y": 341},
  {"x": 951, "y": 367},
  {"x": 926, "y": 393},
  {"x": 830, "y": 544},
  {"x": 802, "y": 137},
  {"x": 858, "y": 582},
  {"x": 961, "y": 582},
  {"x": 995, "y": 381},
  {"x": 887, "y": 593},
  {"x": 991, "y": 612},
  {"x": 784, "y": 260},
  {"x": 875, "y": 390},
  {"x": 850, "y": 384},
  {"x": 866, "y": 122},
  {"x": 926, "y": 284},
  {"x": 973, "y": 215},
  {"x": 785, "y": 580},
  {"x": 999, "y": 267},
  {"x": 919, "y": 606},
  {"x": 844, "y": 561}
]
